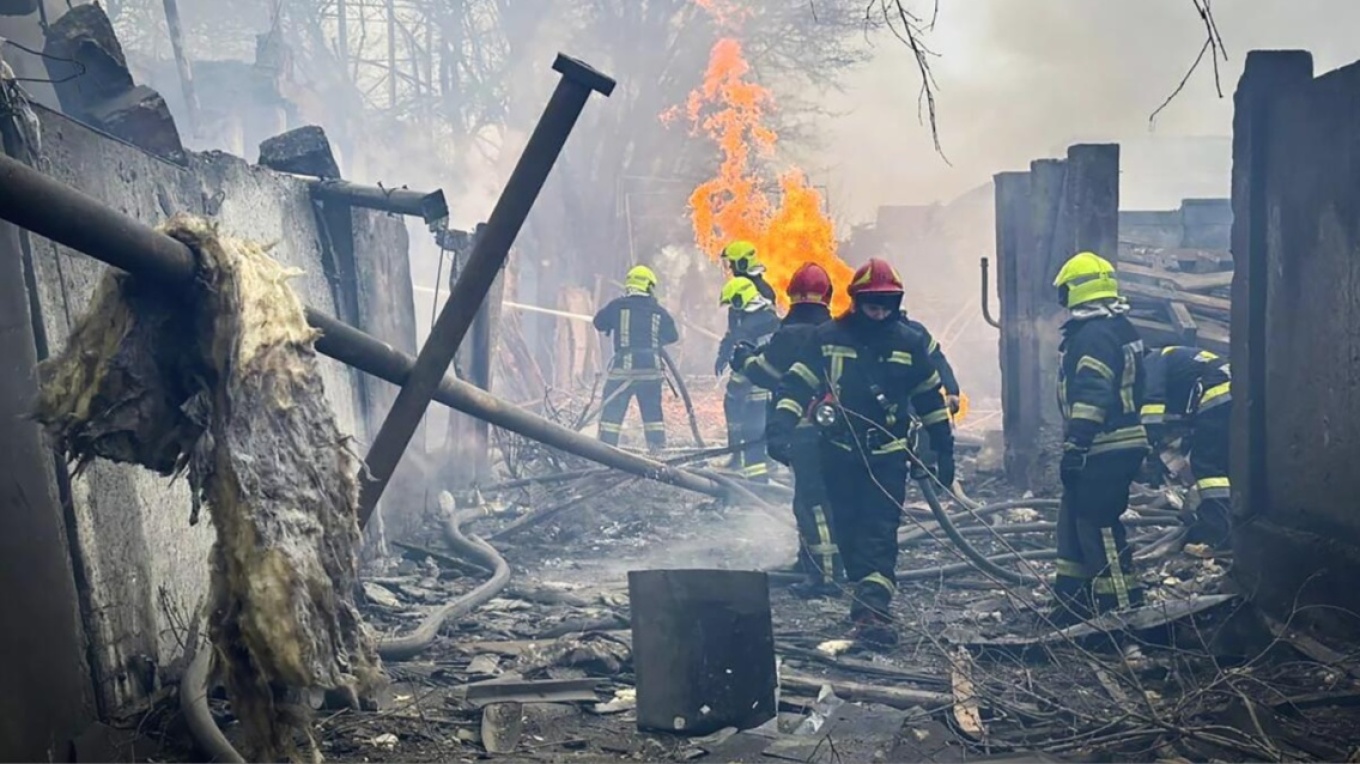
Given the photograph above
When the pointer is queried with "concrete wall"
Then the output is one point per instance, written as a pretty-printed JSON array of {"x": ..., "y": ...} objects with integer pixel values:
[
  {"x": 1044, "y": 216},
  {"x": 1196, "y": 224},
  {"x": 1296, "y": 340},
  {"x": 143, "y": 566}
]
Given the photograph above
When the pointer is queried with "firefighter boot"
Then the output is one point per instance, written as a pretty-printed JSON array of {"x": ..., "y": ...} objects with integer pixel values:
[
  {"x": 872, "y": 624},
  {"x": 1073, "y": 602}
]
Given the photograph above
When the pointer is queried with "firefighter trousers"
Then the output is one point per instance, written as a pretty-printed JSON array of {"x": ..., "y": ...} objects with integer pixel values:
[
  {"x": 618, "y": 392},
  {"x": 818, "y": 554},
  {"x": 744, "y": 407},
  {"x": 1209, "y": 462},
  {"x": 866, "y": 495},
  {"x": 1095, "y": 562}
]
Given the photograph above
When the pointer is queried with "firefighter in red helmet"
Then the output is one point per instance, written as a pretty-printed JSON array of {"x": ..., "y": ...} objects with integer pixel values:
[
  {"x": 809, "y": 293},
  {"x": 860, "y": 379}
]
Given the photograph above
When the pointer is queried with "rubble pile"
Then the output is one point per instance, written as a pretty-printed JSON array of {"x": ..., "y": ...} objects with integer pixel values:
[{"x": 221, "y": 381}]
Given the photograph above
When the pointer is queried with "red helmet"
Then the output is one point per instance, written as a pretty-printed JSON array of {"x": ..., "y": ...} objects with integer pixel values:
[
  {"x": 875, "y": 277},
  {"x": 810, "y": 283}
]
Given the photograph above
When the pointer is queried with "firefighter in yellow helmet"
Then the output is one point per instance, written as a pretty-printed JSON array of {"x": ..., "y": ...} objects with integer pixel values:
[
  {"x": 640, "y": 326},
  {"x": 1100, "y": 388},
  {"x": 741, "y": 260},
  {"x": 751, "y": 321}
]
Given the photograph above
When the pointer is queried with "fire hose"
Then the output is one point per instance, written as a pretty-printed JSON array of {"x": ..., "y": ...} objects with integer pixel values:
[
  {"x": 684, "y": 396},
  {"x": 194, "y": 685}
]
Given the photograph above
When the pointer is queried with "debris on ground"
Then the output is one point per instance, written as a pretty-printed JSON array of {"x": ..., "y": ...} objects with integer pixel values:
[{"x": 1195, "y": 676}]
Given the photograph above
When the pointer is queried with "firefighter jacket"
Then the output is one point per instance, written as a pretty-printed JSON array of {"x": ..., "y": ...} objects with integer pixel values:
[
  {"x": 1182, "y": 381},
  {"x": 876, "y": 374},
  {"x": 1100, "y": 385},
  {"x": 753, "y": 327},
  {"x": 765, "y": 366},
  {"x": 947, "y": 378},
  {"x": 640, "y": 327}
]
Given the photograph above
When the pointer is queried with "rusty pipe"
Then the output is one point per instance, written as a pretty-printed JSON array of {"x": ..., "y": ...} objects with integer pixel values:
[
  {"x": 46, "y": 206},
  {"x": 488, "y": 256},
  {"x": 987, "y": 296}
]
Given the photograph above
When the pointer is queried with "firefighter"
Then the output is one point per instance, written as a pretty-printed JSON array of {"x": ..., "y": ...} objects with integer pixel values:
[
  {"x": 809, "y": 293},
  {"x": 750, "y": 320},
  {"x": 861, "y": 377},
  {"x": 741, "y": 260},
  {"x": 1100, "y": 385},
  {"x": 1189, "y": 390},
  {"x": 640, "y": 328},
  {"x": 949, "y": 383}
]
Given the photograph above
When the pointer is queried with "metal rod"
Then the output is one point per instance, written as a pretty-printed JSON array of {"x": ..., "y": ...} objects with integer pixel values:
[
  {"x": 488, "y": 256},
  {"x": 431, "y": 206},
  {"x": 45, "y": 206},
  {"x": 186, "y": 73},
  {"x": 986, "y": 298}
]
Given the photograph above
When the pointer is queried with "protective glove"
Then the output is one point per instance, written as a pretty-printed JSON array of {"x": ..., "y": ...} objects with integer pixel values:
[
  {"x": 719, "y": 366},
  {"x": 954, "y": 404},
  {"x": 944, "y": 468},
  {"x": 1071, "y": 466},
  {"x": 741, "y": 354}
]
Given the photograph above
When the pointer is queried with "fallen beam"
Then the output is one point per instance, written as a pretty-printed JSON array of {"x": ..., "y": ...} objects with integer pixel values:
[
  {"x": 47, "y": 207},
  {"x": 490, "y": 250}
]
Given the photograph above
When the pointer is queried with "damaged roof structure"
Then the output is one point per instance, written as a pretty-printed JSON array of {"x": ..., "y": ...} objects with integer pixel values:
[{"x": 259, "y": 340}]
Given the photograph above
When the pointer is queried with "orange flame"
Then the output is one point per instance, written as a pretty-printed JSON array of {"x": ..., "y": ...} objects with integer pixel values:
[{"x": 732, "y": 205}]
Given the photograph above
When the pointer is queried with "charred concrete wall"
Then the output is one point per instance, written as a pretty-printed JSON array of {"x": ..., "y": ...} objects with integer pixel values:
[
  {"x": 141, "y": 565},
  {"x": 1044, "y": 216},
  {"x": 1296, "y": 341},
  {"x": 1196, "y": 224}
]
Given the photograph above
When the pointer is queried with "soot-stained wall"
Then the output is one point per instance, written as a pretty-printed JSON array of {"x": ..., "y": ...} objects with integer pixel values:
[
  {"x": 1296, "y": 340},
  {"x": 143, "y": 565}
]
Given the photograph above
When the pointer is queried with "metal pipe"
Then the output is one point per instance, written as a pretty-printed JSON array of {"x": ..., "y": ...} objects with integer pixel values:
[
  {"x": 45, "y": 206},
  {"x": 186, "y": 72},
  {"x": 986, "y": 297},
  {"x": 488, "y": 256},
  {"x": 430, "y": 207}
]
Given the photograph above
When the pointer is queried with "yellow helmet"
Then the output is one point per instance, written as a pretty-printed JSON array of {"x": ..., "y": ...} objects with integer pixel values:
[
  {"x": 640, "y": 278},
  {"x": 742, "y": 294},
  {"x": 742, "y": 257},
  {"x": 1085, "y": 277}
]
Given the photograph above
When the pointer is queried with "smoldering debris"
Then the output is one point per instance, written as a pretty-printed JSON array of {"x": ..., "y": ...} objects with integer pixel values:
[{"x": 221, "y": 381}]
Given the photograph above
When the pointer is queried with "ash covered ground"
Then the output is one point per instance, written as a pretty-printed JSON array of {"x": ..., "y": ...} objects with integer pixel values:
[{"x": 1201, "y": 678}]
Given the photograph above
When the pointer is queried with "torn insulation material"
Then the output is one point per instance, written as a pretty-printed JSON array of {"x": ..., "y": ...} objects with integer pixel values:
[{"x": 222, "y": 380}]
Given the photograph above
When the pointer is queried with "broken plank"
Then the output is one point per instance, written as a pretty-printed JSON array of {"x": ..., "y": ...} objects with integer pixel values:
[
  {"x": 1310, "y": 647},
  {"x": 1189, "y": 282},
  {"x": 1183, "y": 322},
  {"x": 1215, "y": 305},
  {"x": 897, "y": 697},
  {"x": 495, "y": 691}
]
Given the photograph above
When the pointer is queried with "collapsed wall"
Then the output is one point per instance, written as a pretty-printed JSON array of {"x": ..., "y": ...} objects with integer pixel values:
[{"x": 141, "y": 567}]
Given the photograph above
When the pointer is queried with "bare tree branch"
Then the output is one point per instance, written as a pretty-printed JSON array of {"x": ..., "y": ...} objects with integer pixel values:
[{"x": 1213, "y": 45}]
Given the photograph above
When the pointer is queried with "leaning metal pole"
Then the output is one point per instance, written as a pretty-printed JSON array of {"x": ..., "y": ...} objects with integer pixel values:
[
  {"x": 488, "y": 256},
  {"x": 58, "y": 212}
]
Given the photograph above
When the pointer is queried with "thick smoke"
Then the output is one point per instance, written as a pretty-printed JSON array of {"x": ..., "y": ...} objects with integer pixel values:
[{"x": 1022, "y": 80}]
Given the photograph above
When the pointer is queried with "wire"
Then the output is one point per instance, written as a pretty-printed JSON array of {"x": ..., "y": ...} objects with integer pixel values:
[{"x": 40, "y": 54}]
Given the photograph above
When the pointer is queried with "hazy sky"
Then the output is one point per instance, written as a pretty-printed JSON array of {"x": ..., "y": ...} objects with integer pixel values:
[{"x": 1021, "y": 79}]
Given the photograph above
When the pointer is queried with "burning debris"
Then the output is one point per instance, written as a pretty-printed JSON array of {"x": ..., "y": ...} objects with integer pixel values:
[{"x": 222, "y": 382}]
